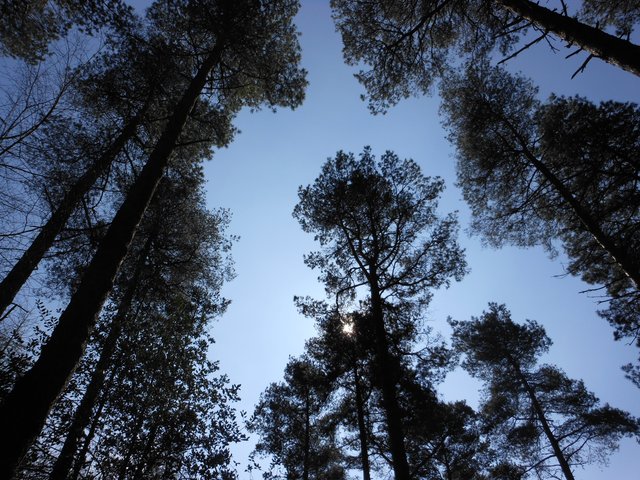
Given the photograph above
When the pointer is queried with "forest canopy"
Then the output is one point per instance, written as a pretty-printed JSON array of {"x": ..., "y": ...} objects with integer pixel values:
[{"x": 150, "y": 152}]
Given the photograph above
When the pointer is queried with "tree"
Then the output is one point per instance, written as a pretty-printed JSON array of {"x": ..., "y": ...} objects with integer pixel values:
[
  {"x": 407, "y": 45},
  {"x": 377, "y": 224},
  {"x": 165, "y": 411},
  {"x": 564, "y": 170},
  {"x": 129, "y": 84},
  {"x": 343, "y": 351},
  {"x": 28, "y": 27},
  {"x": 180, "y": 249},
  {"x": 446, "y": 440},
  {"x": 539, "y": 413},
  {"x": 247, "y": 54},
  {"x": 294, "y": 427}
]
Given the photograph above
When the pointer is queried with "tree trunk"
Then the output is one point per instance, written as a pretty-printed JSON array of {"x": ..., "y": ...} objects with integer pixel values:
[
  {"x": 557, "y": 451},
  {"x": 82, "y": 414},
  {"x": 307, "y": 438},
  {"x": 26, "y": 407},
  {"x": 362, "y": 426},
  {"x": 598, "y": 43},
  {"x": 144, "y": 461},
  {"x": 132, "y": 439},
  {"x": 387, "y": 379},
  {"x": 622, "y": 257},
  {"x": 80, "y": 458},
  {"x": 22, "y": 270}
]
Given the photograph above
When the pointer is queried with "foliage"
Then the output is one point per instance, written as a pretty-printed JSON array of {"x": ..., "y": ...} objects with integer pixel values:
[
  {"x": 565, "y": 170},
  {"x": 377, "y": 221},
  {"x": 28, "y": 27},
  {"x": 406, "y": 46},
  {"x": 294, "y": 427},
  {"x": 537, "y": 414}
]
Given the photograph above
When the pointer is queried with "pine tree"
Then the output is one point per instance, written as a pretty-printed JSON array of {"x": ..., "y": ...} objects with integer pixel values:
[
  {"x": 376, "y": 221},
  {"x": 545, "y": 419}
]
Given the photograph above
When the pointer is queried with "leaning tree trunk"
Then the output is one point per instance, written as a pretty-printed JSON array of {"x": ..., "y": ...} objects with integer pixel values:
[
  {"x": 362, "y": 425},
  {"x": 621, "y": 254},
  {"x": 82, "y": 414},
  {"x": 22, "y": 270},
  {"x": 387, "y": 381},
  {"x": 598, "y": 43},
  {"x": 26, "y": 407},
  {"x": 542, "y": 418},
  {"x": 82, "y": 454}
]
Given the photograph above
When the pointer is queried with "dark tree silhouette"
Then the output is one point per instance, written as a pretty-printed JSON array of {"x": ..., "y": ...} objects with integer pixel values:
[
  {"x": 28, "y": 27},
  {"x": 529, "y": 406},
  {"x": 376, "y": 221},
  {"x": 295, "y": 428},
  {"x": 260, "y": 42},
  {"x": 130, "y": 84},
  {"x": 407, "y": 45},
  {"x": 566, "y": 170},
  {"x": 343, "y": 351}
]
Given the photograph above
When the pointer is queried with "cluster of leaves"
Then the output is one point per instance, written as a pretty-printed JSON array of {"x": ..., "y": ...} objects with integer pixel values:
[
  {"x": 119, "y": 385},
  {"x": 366, "y": 386},
  {"x": 562, "y": 173}
]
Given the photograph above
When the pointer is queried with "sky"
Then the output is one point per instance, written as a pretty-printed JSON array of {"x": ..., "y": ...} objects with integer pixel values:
[{"x": 257, "y": 178}]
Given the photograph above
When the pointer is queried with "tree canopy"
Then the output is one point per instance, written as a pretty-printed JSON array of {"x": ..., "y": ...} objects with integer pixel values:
[{"x": 546, "y": 420}]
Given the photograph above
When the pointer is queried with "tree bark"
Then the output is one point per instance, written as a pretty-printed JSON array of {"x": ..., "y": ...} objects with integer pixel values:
[
  {"x": 555, "y": 445},
  {"x": 80, "y": 459},
  {"x": 22, "y": 270},
  {"x": 387, "y": 380},
  {"x": 362, "y": 426},
  {"x": 598, "y": 43},
  {"x": 82, "y": 414},
  {"x": 26, "y": 407}
]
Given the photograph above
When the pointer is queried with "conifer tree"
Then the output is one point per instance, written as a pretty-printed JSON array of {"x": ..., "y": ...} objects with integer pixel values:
[
  {"x": 376, "y": 221},
  {"x": 256, "y": 37},
  {"x": 546, "y": 420}
]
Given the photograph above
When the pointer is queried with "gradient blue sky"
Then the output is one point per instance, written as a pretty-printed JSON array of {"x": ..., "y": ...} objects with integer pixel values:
[{"x": 257, "y": 177}]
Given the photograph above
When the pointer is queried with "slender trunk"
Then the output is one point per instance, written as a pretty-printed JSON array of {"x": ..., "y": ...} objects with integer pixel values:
[
  {"x": 622, "y": 257},
  {"x": 387, "y": 379},
  {"x": 82, "y": 414},
  {"x": 362, "y": 426},
  {"x": 26, "y": 407},
  {"x": 144, "y": 461},
  {"x": 598, "y": 43},
  {"x": 307, "y": 439},
  {"x": 22, "y": 270},
  {"x": 132, "y": 446},
  {"x": 79, "y": 463},
  {"x": 555, "y": 445}
]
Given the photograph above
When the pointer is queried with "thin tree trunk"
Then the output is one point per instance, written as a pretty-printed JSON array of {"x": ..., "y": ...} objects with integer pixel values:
[
  {"x": 387, "y": 379},
  {"x": 362, "y": 426},
  {"x": 622, "y": 257},
  {"x": 82, "y": 414},
  {"x": 22, "y": 270},
  {"x": 598, "y": 43},
  {"x": 555, "y": 445},
  {"x": 143, "y": 464},
  {"x": 80, "y": 458},
  {"x": 26, "y": 407},
  {"x": 307, "y": 439}
]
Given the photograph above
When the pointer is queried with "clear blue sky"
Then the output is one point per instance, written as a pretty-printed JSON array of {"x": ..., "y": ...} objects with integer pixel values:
[{"x": 257, "y": 177}]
